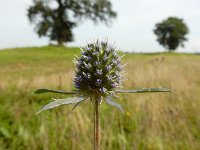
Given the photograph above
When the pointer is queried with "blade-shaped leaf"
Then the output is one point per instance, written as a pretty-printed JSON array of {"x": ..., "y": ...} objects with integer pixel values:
[
  {"x": 115, "y": 104},
  {"x": 77, "y": 104},
  {"x": 144, "y": 90},
  {"x": 59, "y": 102},
  {"x": 39, "y": 91}
]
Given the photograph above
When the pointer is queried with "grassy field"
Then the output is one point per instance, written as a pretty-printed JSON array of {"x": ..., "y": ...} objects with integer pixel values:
[{"x": 159, "y": 121}]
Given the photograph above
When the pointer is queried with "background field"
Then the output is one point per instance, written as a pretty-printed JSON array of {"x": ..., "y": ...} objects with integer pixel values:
[{"x": 160, "y": 121}]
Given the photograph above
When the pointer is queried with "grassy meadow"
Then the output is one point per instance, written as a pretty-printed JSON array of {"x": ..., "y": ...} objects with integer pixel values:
[{"x": 154, "y": 121}]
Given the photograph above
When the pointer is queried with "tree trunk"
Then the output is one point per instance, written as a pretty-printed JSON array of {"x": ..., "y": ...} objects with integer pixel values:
[{"x": 60, "y": 42}]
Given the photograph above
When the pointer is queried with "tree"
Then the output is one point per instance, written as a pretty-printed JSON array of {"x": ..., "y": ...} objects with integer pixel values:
[
  {"x": 171, "y": 33},
  {"x": 57, "y": 18}
]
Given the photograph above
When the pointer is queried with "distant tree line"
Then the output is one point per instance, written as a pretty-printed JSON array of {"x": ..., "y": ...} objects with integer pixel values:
[{"x": 57, "y": 18}]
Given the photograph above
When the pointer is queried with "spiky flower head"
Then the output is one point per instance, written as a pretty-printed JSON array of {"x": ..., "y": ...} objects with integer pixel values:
[{"x": 98, "y": 69}]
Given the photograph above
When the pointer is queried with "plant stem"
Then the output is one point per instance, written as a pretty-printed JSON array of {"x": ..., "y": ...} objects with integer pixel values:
[{"x": 96, "y": 100}]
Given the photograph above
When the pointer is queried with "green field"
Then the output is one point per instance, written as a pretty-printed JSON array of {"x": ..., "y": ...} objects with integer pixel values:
[{"x": 155, "y": 121}]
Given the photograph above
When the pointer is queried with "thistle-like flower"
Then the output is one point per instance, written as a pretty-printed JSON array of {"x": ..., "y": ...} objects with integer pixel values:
[
  {"x": 98, "y": 70},
  {"x": 98, "y": 77}
]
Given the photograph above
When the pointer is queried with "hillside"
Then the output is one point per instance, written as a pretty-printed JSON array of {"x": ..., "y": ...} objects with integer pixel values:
[{"x": 152, "y": 121}]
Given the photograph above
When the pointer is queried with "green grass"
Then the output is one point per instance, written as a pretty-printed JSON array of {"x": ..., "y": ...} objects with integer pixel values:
[{"x": 160, "y": 121}]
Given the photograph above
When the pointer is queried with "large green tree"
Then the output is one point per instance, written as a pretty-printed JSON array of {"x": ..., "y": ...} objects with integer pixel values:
[
  {"x": 57, "y": 18},
  {"x": 171, "y": 33}
]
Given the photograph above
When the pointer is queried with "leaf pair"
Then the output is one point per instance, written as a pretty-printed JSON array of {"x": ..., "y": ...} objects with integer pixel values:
[
  {"x": 71, "y": 100},
  {"x": 78, "y": 99}
]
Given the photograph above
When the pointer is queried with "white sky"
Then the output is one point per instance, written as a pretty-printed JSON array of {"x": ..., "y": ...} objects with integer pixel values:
[{"x": 131, "y": 31}]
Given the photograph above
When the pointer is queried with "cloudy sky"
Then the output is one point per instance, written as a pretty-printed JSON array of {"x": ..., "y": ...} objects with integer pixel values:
[{"x": 131, "y": 31}]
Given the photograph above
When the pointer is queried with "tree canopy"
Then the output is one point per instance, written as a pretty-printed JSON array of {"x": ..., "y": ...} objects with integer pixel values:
[
  {"x": 171, "y": 33},
  {"x": 57, "y": 18}
]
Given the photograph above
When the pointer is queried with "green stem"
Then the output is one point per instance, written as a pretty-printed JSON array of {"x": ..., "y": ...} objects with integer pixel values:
[{"x": 96, "y": 100}]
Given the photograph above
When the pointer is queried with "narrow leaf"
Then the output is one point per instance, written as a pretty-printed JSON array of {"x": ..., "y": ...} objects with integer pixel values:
[
  {"x": 58, "y": 102},
  {"x": 144, "y": 90},
  {"x": 115, "y": 104},
  {"x": 39, "y": 91},
  {"x": 77, "y": 104}
]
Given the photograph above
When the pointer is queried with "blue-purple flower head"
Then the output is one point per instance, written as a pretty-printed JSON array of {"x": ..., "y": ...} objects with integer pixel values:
[{"x": 98, "y": 69}]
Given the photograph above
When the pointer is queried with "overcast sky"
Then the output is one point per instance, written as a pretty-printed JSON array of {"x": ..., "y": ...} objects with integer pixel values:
[{"x": 131, "y": 31}]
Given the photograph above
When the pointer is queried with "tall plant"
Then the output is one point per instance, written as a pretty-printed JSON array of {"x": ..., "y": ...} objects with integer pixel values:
[{"x": 98, "y": 77}]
